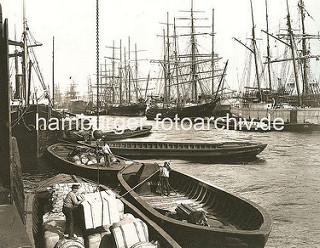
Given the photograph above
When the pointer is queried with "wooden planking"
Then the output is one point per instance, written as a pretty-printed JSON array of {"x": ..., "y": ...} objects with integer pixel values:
[{"x": 170, "y": 203}]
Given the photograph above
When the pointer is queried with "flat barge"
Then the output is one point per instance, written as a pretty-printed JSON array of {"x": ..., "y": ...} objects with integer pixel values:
[{"x": 189, "y": 151}]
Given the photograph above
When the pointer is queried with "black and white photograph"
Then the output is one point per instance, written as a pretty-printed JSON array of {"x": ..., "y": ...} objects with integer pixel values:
[{"x": 159, "y": 124}]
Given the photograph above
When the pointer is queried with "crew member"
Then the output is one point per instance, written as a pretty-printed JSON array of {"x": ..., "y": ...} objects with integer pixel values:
[
  {"x": 164, "y": 178},
  {"x": 70, "y": 202},
  {"x": 107, "y": 155}
]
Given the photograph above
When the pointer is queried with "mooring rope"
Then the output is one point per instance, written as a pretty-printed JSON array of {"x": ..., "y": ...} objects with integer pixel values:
[{"x": 146, "y": 179}]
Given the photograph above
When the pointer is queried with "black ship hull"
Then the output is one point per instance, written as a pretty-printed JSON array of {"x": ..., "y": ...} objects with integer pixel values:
[
  {"x": 127, "y": 110},
  {"x": 200, "y": 110},
  {"x": 33, "y": 139}
]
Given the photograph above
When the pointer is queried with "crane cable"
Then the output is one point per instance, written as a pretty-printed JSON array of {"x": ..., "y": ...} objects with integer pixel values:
[
  {"x": 97, "y": 76},
  {"x": 97, "y": 59}
]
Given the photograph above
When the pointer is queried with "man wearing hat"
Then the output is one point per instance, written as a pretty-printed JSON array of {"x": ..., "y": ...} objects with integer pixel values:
[
  {"x": 69, "y": 203},
  {"x": 164, "y": 178}
]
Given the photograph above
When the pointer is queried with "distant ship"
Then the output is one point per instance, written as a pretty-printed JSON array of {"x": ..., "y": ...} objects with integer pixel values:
[
  {"x": 74, "y": 104},
  {"x": 120, "y": 90},
  {"x": 135, "y": 109},
  {"x": 191, "y": 82},
  {"x": 77, "y": 106},
  {"x": 283, "y": 97}
]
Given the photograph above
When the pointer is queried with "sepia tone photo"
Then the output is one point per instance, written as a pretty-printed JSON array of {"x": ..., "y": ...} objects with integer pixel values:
[{"x": 159, "y": 124}]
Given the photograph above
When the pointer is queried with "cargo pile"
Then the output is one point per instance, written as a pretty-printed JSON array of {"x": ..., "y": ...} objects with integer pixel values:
[
  {"x": 85, "y": 156},
  {"x": 59, "y": 192},
  {"x": 131, "y": 232},
  {"x": 102, "y": 209},
  {"x": 104, "y": 213},
  {"x": 88, "y": 156},
  {"x": 54, "y": 220},
  {"x": 104, "y": 219}
]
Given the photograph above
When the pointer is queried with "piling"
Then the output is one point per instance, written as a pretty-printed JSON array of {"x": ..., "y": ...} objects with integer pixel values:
[{"x": 5, "y": 121}]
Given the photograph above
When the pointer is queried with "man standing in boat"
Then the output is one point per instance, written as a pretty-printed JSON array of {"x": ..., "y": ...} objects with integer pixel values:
[
  {"x": 164, "y": 178},
  {"x": 107, "y": 154},
  {"x": 70, "y": 202}
]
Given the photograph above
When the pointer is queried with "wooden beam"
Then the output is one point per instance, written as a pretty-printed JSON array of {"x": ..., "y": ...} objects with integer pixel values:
[{"x": 5, "y": 121}]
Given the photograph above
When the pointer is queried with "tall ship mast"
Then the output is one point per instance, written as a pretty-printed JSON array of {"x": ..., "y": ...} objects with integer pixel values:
[
  {"x": 295, "y": 99},
  {"x": 191, "y": 80},
  {"x": 31, "y": 98},
  {"x": 121, "y": 81}
]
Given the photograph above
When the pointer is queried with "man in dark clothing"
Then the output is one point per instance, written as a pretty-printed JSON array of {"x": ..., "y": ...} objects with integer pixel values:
[{"x": 69, "y": 203}]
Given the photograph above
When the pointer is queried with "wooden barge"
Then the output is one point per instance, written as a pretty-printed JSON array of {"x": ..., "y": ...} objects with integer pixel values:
[
  {"x": 189, "y": 151},
  {"x": 127, "y": 133},
  {"x": 231, "y": 220},
  {"x": 58, "y": 156},
  {"x": 110, "y": 135},
  {"x": 45, "y": 225}
]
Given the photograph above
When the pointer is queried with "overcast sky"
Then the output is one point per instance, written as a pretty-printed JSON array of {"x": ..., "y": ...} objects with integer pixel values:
[{"x": 72, "y": 23}]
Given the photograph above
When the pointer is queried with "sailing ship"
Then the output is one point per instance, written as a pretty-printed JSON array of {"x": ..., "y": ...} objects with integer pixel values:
[
  {"x": 30, "y": 100},
  {"x": 190, "y": 83},
  {"x": 120, "y": 84},
  {"x": 75, "y": 105},
  {"x": 283, "y": 98}
]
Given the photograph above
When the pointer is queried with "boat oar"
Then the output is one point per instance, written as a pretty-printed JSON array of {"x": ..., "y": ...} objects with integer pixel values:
[{"x": 139, "y": 183}]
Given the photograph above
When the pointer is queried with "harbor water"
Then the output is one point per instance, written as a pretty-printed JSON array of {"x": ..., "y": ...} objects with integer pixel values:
[{"x": 284, "y": 179}]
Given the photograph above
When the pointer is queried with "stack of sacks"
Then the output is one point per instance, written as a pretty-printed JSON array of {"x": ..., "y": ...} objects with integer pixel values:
[
  {"x": 86, "y": 159},
  {"x": 131, "y": 232},
  {"x": 53, "y": 216},
  {"x": 59, "y": 192},
  {"x": 102, "y": 209},
  {"x": 54, "y": 221}
]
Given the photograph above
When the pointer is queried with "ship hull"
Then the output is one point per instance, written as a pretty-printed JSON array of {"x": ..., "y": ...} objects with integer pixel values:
[
  {"x": 127, "y": 110},
  {"x": 78, "y": 107},
  {"x": 201, "y": 111},
  {"x": 33, "y": 141}
]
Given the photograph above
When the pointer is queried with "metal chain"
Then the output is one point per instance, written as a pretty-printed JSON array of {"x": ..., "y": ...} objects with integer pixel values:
[
  {"x": 97, "y": 59},
  {"x": 97, "y": 67}
]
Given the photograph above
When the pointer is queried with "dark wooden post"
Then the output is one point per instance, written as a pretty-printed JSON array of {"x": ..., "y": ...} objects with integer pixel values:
[{"x": 5, "y": 116}]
